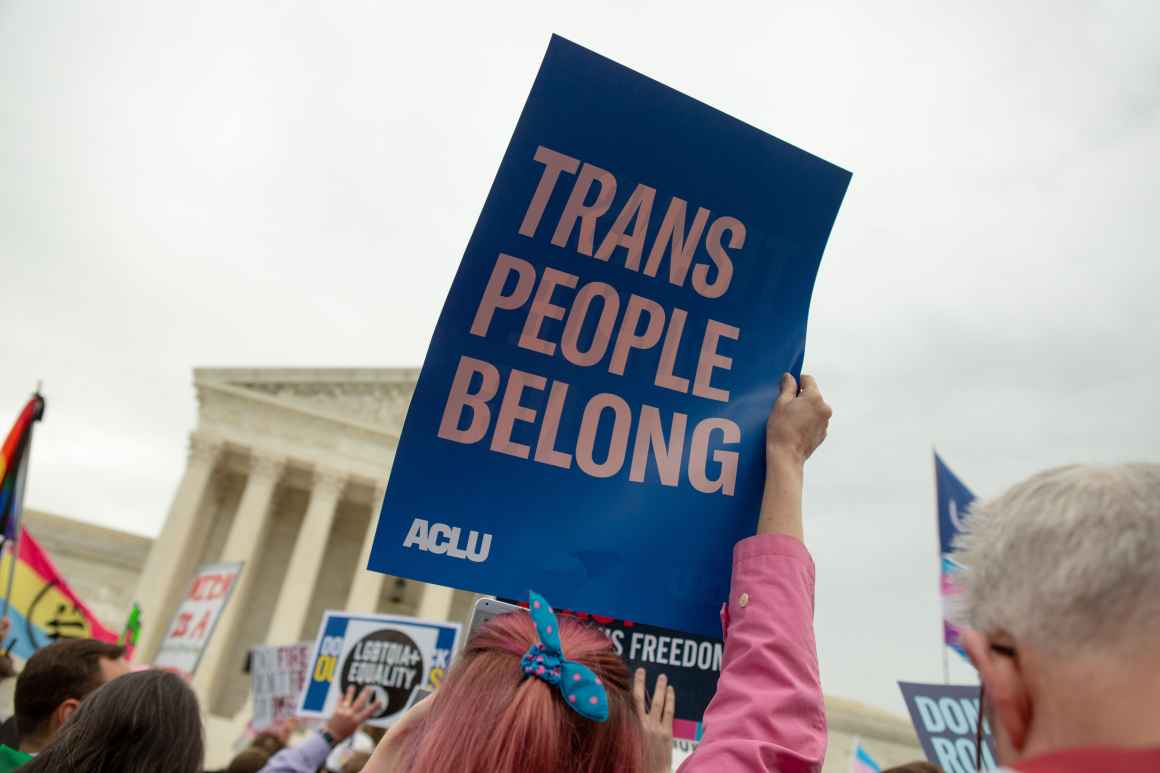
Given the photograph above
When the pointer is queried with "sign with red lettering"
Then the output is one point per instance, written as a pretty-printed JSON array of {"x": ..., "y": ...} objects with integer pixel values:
[
  {"x": 590, "y": 417},
  {"x": 277, "y": 675},
  {"x": 196, "y": 617}
]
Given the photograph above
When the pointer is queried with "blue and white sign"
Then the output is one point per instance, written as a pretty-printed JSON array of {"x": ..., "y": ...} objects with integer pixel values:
[
  {"x": 391, "y": 655},
  {"x": 589, "y": 420},
  {"x": 946, "y": 718}
]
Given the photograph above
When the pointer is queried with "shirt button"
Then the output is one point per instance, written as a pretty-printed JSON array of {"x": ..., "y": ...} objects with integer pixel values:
[{"x": 743, "y": 600}]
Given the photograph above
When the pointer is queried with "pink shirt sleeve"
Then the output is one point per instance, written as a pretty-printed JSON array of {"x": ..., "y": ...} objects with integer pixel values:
[{"x": 767, "y": 714}]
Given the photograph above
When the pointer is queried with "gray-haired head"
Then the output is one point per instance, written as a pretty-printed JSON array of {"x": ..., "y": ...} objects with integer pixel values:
[{"x": 1066, "y": 560}]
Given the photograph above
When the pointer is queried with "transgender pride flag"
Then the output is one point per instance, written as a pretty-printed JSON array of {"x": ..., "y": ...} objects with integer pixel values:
[
  {"x": 953, "y": 500},
  {"x": 861, "y": 761}
]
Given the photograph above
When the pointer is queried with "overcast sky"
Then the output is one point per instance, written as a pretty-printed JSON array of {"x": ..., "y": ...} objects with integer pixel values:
[{"x": 293, "y": 184}]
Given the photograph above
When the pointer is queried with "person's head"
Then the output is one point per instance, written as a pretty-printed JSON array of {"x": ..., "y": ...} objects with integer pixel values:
[
  {"x": 507, "y": 722},
  {"x": 140, "y": 723},
  {"x": 54, "y": 682},
  {"x": 1060, "y": 596},
  {"x": 915, "y": 767},
  {"x": 356, "y": 762},
  {"x": 268, "y": 743},
  {"x": 249, "y": 760}
]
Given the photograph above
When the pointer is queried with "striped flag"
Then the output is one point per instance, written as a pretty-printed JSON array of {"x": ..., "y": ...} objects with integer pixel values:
[
  {"x": 14, "y": 466},
  {"x": 861, "y": 761},
  {"x": 954, "y": 498}
]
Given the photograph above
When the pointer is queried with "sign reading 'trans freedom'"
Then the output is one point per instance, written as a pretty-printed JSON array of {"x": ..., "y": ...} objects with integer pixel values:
[{"x": 589, "y": 419}]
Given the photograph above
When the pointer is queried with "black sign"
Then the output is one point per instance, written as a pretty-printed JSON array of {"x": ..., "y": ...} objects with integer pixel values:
[
  {"x": 390, "y": 663},
  {"x": 692, "y": 663}
]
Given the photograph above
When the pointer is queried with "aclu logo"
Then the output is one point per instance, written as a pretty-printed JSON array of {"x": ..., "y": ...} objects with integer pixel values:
[{"x": 444, "y": 540}]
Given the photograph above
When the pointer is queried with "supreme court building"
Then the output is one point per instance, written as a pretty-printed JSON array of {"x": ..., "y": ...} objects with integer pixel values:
[{"x": 286, "y": 472}]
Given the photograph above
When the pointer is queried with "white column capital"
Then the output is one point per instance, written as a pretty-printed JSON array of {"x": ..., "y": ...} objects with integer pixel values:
[
  {"x": 264, "y": 466},
  {"x": 204, "y": 449},
  {"x": 329, "y": 481}
]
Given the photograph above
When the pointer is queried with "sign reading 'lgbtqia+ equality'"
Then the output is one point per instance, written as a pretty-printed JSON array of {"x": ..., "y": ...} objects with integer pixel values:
[
  {"x": 393, "y": 656},
  {"x": 590, "y": 414}
]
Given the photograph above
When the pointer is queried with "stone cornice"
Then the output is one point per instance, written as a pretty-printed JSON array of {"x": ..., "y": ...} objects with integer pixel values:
[{"x": 329, "y": 417}]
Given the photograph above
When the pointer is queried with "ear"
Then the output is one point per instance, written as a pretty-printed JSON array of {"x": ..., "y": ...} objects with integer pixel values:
[
  {"x": 1008, "y": 695},
  {"x": 63, "y": 712}
]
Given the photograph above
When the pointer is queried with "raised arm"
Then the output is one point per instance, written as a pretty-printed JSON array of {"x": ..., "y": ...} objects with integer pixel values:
[{"x": 768, "y": 714}]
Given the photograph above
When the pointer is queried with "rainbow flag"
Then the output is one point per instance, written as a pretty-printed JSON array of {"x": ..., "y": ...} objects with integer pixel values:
[
  {"x": 43, "y": 607},
  {"x": 861, "y": 761},
  {"x": 13, "y": 462}
]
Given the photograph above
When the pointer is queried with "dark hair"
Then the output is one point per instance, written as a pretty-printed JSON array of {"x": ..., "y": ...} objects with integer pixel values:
[
  {"x": 138, "y": 723},
  {"x": 53, "y": 675},
  {"x": 267, "y": 742},
  {"x": 915, "y": 767},
  {"x": 249, "y": 760}
]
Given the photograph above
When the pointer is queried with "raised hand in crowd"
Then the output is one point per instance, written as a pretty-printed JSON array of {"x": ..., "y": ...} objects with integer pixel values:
[
  {"x": 283, "y": 729},
  {"x": 656, "y": 719},
  {"x": 768, "y": 714},
  {"x": 351, "y": 713},
  {"x": 796, "y": 426},
  {"x": 311, "y": 754}
]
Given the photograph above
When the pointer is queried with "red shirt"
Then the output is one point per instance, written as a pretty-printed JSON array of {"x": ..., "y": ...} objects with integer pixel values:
[{"x": 1093, "y": 760}]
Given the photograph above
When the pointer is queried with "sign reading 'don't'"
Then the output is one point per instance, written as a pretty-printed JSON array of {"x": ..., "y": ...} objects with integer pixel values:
[
  {"x": 589, "y": 419},
  {"x": 946, "y": 718},
  {"x": 391, "y": 655},
  {"x": 196, "y": 617}
]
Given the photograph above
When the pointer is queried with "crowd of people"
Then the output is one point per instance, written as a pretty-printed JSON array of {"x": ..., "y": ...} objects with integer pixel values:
[{"x": 1060, "y": 600}]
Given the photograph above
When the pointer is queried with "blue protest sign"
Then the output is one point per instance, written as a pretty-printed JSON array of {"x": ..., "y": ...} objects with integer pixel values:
[
  {"x": 946, "y": 718},
  {"x": 391, "y": 655},
  {"x": 589, "y": 420}
]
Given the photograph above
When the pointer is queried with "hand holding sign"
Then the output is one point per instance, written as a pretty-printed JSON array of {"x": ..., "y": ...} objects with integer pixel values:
[
  {"x": 351, "y": 713},
  {"x": 796, "y": 427},
  {"x": 797, "y": 424}
]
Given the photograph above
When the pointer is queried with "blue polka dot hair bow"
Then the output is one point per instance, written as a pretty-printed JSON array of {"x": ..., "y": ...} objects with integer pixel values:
[{"x": 579, "y": 686}]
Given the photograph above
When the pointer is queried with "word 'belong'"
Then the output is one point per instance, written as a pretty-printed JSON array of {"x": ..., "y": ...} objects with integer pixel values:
[
  {"x": 711, "y": 464},
  {"x": 676, "y": 237}
]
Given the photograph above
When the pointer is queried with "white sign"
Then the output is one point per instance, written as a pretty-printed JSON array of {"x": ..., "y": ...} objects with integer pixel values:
[
  {"x": 196, "y": 617},
  {"x": 391, "y": 655},
  {"x": 277, "y": 674},
  {"x": 682, "y": 750}
]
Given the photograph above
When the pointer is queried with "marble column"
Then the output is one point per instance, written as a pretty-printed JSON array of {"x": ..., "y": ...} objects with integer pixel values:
[
  {"x": 367, "y": 587},
  {"x": 305, "y": 562},
  {"x": 435, "y": 603},
  {"x": 243, "y": 543},
  {"x": 170, "y": 563}
]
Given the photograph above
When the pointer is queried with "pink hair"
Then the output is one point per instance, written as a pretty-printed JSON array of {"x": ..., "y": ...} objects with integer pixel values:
[{"x": 488, "y": 717}]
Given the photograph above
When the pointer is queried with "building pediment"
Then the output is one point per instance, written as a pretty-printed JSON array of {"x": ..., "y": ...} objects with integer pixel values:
[{"x": 369, "y": 397}]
